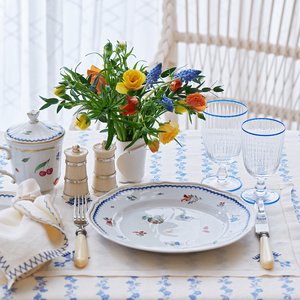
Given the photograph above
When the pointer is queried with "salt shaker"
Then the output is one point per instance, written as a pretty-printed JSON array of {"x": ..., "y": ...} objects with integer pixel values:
[
  {"x": 76, "y": 180},
  {"x": 104, "y": 178}
]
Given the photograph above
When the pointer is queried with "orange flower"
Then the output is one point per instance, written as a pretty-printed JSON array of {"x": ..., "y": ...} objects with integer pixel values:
[
  {"x": 196, "y": 101},
  {"x": 130, "y": 107},
  {"x": 95, "y": 72},
  {"x": 170, "y": 129},
  {"x": 154, "y": 145},
  {"x": 175, "y": 85}
]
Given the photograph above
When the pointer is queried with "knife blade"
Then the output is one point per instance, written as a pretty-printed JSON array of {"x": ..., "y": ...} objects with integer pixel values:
[{"x": 261, "y": 228}]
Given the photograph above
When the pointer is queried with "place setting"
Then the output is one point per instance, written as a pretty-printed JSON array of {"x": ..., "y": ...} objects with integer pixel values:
[{"x": 140, "y": 200}]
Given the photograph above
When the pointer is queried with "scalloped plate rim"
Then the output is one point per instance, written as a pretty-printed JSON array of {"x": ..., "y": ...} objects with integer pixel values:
[
  {"x": 6, "y": 194},
  {"x": 100, "y": 200}
]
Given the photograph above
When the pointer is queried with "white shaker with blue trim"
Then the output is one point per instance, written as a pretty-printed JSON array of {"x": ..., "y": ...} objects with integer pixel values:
[{"x": 34, "y": 148}]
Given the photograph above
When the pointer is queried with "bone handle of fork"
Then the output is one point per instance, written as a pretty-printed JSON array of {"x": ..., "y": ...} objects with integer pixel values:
[{"x": 81, "y": 252}]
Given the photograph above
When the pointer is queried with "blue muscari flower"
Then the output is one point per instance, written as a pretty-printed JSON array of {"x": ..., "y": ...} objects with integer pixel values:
[
  {"x": 187, "y": 75},
  {"x": 168, "y": 104},
  {"x": 153, "y": 75}
]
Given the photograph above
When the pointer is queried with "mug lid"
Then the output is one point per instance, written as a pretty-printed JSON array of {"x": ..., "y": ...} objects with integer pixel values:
[{"x": 34, "y": 131}]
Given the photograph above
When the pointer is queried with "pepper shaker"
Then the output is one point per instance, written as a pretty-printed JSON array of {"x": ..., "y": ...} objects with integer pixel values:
[
  {"x": 76, "y": 180},
  {"x": 104, "y": 178}
]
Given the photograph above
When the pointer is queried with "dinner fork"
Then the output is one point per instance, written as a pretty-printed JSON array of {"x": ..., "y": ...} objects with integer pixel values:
[{"x": 80, "y": 209}]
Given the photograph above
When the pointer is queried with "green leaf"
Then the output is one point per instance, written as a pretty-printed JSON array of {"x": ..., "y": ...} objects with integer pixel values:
[
  {"x": 50, "y": 100},
  {"x": 218, "y": 89},
  {"x": 201, "y": 116},
  {"x": 92, "y": 88},
  {"x": 59, "y": 107},
  {"x": 45, "y": 106},
  {"x": 104, "y": 130},
  {"x": 130, "y": 144},
  {"x": 41, "y": 165},
  {"x": 199, "y": 79},
  {"x": 111, "y": 133},
  {"x": 103, "y": 119},
  {"x": 26, "y": 159},
  {"x": 81, "y": 78},
  {"x": 44, "y": 99},
  {"x": 74, "y": 95},
  {"x": 190, "y": 90},
  {"x": 131, "y": 93},
  {"x": 66, "y": 97},
  {"x": 168, "y": 72},
  {"x": 177, "y": 142},
  {"x": 206, "y": 89},
  {"x": 68, "y": 106}
]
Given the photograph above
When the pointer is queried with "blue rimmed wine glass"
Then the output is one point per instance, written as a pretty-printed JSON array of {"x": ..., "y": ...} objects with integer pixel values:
[
  {"x": 221, "y": 133},
  {"x": 262, "y": 144}
]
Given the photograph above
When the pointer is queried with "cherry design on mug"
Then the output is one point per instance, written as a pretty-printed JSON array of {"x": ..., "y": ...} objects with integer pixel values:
[
  {"x": 42, "y": 173},
  {"x": 42, "y": 166},
  {"x": 49, "y": 171}
]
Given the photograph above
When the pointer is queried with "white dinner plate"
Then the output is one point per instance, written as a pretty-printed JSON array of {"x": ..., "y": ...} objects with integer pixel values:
[
  {"x": 171, "y": 217},
  {"x": 5, "y": 199}
]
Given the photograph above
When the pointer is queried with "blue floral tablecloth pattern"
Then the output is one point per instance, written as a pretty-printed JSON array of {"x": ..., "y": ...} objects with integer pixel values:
[{"x": 166, "y": 287}]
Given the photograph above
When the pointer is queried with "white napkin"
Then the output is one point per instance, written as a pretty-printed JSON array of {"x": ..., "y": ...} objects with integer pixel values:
[
  {"x": 27, "y": 190},
  {"x": 31, "y": 233}
]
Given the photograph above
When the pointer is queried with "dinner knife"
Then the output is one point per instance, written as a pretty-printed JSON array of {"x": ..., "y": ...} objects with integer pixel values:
[{"x": 262, "y": 229}]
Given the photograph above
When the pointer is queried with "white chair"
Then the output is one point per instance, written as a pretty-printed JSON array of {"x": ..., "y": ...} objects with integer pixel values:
[{"x": 250, "y": 47}]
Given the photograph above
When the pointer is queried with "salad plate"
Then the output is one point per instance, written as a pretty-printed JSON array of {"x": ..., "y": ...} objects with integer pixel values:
[{"x": 171, "y": 217}]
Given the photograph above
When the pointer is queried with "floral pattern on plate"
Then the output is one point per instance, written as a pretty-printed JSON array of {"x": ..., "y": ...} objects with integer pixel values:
[{"x": 188, "y": 217}]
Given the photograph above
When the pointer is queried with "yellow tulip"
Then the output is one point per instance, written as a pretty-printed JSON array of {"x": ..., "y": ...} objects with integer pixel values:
[
  {"x": 180, "y": 109},
  {"x": 154, "y": 145},
  {"x": 132, "y": 80},
  {"x": 60, "y": 90},
  {"x": 121, "y": 88},
  {"x": 83, "y": 122},
  {"x": 170, "y": 129}
]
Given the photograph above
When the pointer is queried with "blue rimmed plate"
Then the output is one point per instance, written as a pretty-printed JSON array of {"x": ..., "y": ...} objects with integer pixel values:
[{"x": 171, "y": 217}]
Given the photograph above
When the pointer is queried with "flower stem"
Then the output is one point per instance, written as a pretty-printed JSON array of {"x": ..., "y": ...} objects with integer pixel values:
[{"x": 158, "y": 87}]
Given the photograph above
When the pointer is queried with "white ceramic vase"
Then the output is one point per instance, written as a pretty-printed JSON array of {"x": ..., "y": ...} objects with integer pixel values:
[{"x": 131, "y": 162}]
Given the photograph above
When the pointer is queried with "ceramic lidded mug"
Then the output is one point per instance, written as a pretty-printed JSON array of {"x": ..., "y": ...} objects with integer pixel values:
[{"x": 35, "y": 151}]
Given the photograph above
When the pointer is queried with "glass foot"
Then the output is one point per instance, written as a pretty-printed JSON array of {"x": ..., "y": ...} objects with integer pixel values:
[
  {"x": 231, "y": 184},
  {"x": 251, "y": 197}
]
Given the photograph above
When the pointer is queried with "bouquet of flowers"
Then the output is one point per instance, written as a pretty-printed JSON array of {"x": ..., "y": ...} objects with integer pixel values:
[{"x": 131, "y": 100}]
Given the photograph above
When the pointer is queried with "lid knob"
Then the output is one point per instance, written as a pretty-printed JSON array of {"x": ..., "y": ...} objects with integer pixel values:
[
  {"x": 76, "y": 148},
  {"x": 33, "y": 116}
]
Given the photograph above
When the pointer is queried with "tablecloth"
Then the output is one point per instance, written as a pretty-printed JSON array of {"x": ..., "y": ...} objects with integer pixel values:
[{"x": 188, "y": 163}]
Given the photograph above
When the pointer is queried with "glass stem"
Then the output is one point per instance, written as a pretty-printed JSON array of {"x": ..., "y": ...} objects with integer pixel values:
[
  {"x": 260, "y": 187},
  {"x": 222, "y": 173}
]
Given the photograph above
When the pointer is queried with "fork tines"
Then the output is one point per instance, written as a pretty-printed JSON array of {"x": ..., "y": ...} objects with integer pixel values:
[{"x": 80, "y": 209}]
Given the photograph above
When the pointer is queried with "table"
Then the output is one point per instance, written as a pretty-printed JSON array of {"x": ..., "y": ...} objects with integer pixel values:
[{"x": 188, "y": 163}]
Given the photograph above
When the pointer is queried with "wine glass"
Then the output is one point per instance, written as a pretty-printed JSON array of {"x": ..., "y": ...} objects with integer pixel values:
[
  {"x": 262, "y": 143},
  {"x": 221, "y": 133}
]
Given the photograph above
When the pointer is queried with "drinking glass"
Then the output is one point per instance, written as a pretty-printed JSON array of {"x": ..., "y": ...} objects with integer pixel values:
[
  {"x": 221, "y": 133},
  {"x": 262, "y": 143}
]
